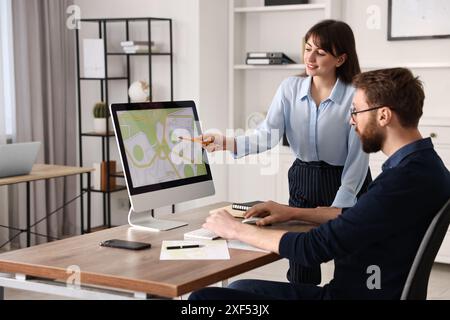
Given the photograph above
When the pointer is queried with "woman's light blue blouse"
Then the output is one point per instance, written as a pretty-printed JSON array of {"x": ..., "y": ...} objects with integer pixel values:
[{"x": 315, "y": 133}]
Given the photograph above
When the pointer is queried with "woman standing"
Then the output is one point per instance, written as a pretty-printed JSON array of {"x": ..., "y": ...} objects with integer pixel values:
[{"x": 313, "y": 110}]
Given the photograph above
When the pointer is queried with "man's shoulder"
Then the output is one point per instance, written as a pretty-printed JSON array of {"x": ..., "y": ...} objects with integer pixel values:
[
  {"x": 425, "y": 163},
  {"x": 420, "y": 170}
]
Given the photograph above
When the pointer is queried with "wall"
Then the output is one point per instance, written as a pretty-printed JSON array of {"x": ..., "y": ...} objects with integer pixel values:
[
  {"x": 374, "y": 49},
  {"x": 200, "y": 64},
  {"x": 198, "y": 39},
  {"x": 213, "y": 82}
]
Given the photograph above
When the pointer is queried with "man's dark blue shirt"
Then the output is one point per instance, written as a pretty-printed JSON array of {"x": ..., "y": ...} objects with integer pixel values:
[{"x": 382, "y": 231}]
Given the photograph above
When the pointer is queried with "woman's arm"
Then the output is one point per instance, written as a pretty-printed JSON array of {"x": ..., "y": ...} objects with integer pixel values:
[
  {"x": 227, "y": 227},
  {"x": 275, "y": 213},
  {"x": 355, "y": 172}
]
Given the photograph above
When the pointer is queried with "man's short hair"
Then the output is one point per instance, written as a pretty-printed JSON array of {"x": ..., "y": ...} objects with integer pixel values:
[{"x": 396, "y": 88}]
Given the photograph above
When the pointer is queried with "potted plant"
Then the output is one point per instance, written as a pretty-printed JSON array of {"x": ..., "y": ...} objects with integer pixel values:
[{"x": 101, "y": 114}]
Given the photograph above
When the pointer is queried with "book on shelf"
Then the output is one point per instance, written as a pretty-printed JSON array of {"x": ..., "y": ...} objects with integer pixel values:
[
  {"x": 135, "y": 51},
  {"x": 245, "y": 205},
  {"x": 104, "y": 175},
  {"x": 283, "y": 2},
  {"x": 136, "y": 46},
  {"x": 259, "y": 55},
  {"x": 267, "y": 61},
  {"x": 265, "y": 58},
  {"x": 135, "y": 43}
]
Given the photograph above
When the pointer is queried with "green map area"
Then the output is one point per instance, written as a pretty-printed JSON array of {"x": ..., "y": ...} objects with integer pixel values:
[{"x": 152, "y": 146}]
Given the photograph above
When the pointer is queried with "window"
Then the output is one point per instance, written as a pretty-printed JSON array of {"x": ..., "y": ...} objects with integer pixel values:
[{"x": 7, "y": 114}]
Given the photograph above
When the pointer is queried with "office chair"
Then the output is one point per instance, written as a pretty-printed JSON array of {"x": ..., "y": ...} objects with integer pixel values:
[{"x": 416, "y": 284}]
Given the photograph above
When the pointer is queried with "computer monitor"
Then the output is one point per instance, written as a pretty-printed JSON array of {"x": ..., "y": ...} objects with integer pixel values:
[{"x": 160, "y": 168}]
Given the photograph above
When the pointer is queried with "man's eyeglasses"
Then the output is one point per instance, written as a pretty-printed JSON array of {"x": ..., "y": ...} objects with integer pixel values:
[{"x": 353, "y": 111}]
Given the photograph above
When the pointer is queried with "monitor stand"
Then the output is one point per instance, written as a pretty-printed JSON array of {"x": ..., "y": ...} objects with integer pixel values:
[{"x": 144, "y": 220}]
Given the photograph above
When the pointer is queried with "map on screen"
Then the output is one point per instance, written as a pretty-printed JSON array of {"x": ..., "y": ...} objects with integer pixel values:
[{"x": 154, "y": 152}]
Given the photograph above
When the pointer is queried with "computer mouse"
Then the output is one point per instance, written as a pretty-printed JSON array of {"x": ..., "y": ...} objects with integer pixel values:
[{"x": 251, "y": 220}]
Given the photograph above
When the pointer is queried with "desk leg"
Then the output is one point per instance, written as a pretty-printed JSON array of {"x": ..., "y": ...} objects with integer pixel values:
[
  {"x": 109, "y": 210},
  {"x": 28, "y": 216},
  {"x": 82, "y": 204},
  {"x": 89, "y": 203},
  {"x": 2, "y": 293}
]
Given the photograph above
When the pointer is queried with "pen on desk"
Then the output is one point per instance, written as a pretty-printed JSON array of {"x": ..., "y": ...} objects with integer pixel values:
[{"x": 184, "y": 247}]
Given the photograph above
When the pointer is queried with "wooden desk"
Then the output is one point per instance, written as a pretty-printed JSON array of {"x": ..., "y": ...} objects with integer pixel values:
[
  {"x": 136, "y": 271},
  {"x": 46, "y": 171}
]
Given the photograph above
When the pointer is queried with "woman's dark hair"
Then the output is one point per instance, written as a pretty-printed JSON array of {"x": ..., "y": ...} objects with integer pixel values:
[{"x": 336, "y": 38}]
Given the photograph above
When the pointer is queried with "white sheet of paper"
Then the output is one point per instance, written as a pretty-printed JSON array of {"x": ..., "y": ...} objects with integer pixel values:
[
  {"x": 236, "y": 244},
  {"x": 209, "y": 250}
]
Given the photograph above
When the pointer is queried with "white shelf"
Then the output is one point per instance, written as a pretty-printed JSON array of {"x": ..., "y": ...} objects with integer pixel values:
[
  {"x": 424, "y": 65},
  {"x": 364, "y": 66},
  {"x": 269, "y": 67},
  {"x": 435, "y": 121},
  {"x": 295, "y": 7},
  {"x": 251, "y": 87}
]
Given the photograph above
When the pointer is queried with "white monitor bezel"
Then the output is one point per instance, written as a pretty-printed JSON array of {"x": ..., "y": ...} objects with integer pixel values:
[{"x": 175, "y": 184}]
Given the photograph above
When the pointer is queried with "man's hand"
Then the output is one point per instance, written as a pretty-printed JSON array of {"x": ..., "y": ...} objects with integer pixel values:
[
  {"x": 223, "y": 224},
  {"x": 271, "y": 211}
]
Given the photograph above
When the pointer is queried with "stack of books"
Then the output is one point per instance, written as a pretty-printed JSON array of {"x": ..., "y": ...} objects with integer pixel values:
[
  {"x": 264, "y": 58},
  {"x": 136, "y": 46},
  {"x": 283, "y": 2}
]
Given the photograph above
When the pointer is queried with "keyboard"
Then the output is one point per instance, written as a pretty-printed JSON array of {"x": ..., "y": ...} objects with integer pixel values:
[{"x": 201, "y": 233}]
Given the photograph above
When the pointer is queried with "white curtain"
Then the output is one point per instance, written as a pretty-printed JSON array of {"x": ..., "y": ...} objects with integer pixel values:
[
  {"x": 3, "y": 190},
  {"x": 45, "y": 96},
  {"x": 5, "y": 94}
]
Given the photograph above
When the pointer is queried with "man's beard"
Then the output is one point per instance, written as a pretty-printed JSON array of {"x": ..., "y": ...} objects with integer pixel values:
[{"x": 372, "y": 138}]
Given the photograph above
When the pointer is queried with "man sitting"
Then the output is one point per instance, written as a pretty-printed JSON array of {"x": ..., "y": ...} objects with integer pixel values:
[{"x": 380, "y": 235}]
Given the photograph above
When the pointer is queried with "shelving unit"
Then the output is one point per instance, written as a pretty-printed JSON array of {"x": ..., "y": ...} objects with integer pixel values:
[
  {"x": 255, "y": 27},
  {"x": 103, "y": 24}
]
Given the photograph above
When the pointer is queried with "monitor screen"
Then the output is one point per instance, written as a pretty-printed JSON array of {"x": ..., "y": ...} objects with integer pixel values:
[{"x": 153, "y": 155}]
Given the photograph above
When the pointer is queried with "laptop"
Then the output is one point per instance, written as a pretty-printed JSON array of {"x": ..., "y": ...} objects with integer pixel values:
[{"x": 18, "y": 158}]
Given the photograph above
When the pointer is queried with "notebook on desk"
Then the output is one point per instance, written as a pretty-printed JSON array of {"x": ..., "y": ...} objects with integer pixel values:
[
  {"x": 235, "y": 213},
  {"x": 18, "y": 158},
  {"x": 201, "y": 233},
  {"x": 245, "y": 205},
  {"x": 237, "y": 210}
]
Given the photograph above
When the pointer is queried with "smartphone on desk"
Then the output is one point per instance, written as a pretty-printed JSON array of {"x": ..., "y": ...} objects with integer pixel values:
[{"x": 124, "y": 244}]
